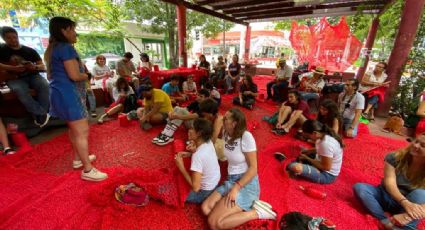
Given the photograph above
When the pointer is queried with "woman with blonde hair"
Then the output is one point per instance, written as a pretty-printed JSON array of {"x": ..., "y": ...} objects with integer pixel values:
[{"x": 402, "y": 191}]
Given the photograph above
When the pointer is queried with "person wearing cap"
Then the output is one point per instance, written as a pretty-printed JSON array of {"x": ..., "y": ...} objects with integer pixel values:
[
  {"x": 279, "y": 59},
  {"x": 312, "y": 87},
  {"x": 125, "y": 69},
  {"x": 283, "y": 78},
  {"x": 157, "y": 105}
]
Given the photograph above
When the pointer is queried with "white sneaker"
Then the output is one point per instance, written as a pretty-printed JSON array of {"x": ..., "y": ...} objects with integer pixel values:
[
  {"x": 93, "y": 175},
  {"x": 79, "y": 164},
  {"x": 164, "y": 140},
  {"x": 264, "y": 210}
]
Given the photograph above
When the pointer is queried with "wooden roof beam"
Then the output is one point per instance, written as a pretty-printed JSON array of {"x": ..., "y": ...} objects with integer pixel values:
[
  {"x": 248, "y": 3},
  {"x": 206, "y": 11}
]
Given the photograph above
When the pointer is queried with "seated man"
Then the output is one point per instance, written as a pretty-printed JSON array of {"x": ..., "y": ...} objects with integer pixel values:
[
  {"x": 157, "y": 105},
  {"x": 283, "y": 78},
  {"x": 220, "y": 71},
  {"x": 351, "y": 104},
  {"x": 172, "y": 89},
  {"x": 247, "y": 93},
  {"x": 19, "y": 67},
  {"x": 295, "y": 109},
  {"x": 311, "y": 88},
  {"x": 125, "y": 69},
  {"x": 180, "y": 115},
  {"x": 234, "y": 72}
]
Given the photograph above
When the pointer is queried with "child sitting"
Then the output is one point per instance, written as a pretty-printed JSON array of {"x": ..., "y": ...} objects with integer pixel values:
[{"x": 205, "y": 171}]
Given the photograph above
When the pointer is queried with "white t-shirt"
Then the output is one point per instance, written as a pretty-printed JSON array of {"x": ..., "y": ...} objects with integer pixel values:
[
  {"x": 116, "y": 94},
  {"x": 215, "y": 94},
  {"x": 235, "y": 152},
  {"x": 357, "y": 102},
  {"x": 99, "y": 70},
  {"x": 189, "y": 87},
  {"x": 205, "y": 161},
  {"x": 374, "y": 79},
  {"x": 330, "y": 147}
]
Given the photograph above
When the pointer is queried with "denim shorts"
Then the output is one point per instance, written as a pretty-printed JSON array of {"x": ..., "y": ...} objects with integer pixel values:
[
  {"x": 198, "y": 197},
  {"x": 246, "y": 196},
  {"x": 313, "y": 174},
  {"x": 346, "y": 125}
]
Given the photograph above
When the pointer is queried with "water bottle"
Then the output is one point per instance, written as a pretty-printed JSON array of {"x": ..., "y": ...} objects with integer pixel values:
[{"x": 314, "y": 193}]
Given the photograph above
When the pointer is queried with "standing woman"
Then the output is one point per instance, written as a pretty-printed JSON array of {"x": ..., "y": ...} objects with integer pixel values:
[
  {"x": 68, "y": 92},
  {"x": 236, "y": 202}
]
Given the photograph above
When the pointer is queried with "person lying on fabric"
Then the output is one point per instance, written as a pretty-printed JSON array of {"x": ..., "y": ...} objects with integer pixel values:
[
  {"x": 180, "y": 115},
  {"x": 189, "y": 86},
  {"x": 325, "y": 166},
  {"x": 328, "y": 115},
  {"x": 157, "y": 105},
  {"x": 120, "y": 93},
  {"x": 247, "y": 93},
  {"x": 292, "y": 111},
  {"x": 373, "y": 79},
  {"x": 350, "y": 105},
  {"x": 126, "y": 69},
  {"x": 233, "y": 73},
  {"x": 236, "y": 201},
  {"x": 7, "y": 150},
  {"x": 402, "y": 190},
  {"x": 204, "y": 167},
  {"x": 172, "y": 89},
  {"x": 311, "y": 88},
  {"x": 214, "y": 93},
  {"x": 283, "y": 79}
]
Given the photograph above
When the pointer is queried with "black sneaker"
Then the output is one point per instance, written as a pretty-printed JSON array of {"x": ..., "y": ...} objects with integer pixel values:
[
  {"x": 279, "y": 156},
  {"x": 42, "y": 120},
  {"x": 164, "y": 140},
  {"x": 157, "y": 138}
]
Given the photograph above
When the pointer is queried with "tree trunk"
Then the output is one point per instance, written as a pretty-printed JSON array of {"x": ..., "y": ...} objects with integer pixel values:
[{"x": 172, "y": 41}]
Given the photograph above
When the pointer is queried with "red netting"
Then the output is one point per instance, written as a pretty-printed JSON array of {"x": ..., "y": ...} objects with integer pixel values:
[
  {"x": 41, "y": 191},
  {"x": 333, "y": 47}
]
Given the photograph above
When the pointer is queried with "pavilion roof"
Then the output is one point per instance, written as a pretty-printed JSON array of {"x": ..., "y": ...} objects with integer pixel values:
[{"x": 246, "y": 11}]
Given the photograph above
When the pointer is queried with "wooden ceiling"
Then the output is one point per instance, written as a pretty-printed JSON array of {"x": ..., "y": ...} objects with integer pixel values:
[{"x": 245, "y": 11}]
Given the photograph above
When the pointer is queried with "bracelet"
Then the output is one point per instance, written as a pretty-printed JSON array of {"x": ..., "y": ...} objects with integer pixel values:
[
  {"x": 240, "y": 186},
  {"x": 401, "y": 200}
]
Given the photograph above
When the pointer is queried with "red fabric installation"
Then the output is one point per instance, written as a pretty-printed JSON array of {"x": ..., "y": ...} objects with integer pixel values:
[
  {"x": 333, "y": 47},
  {"x": 40, "y": 190},
  {"x": 380, "y": 92},
  {"x": 159, "y": 77}
]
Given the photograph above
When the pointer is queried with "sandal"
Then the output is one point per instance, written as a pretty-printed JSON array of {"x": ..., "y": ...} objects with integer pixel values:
[{"x": 8, "y": 151}]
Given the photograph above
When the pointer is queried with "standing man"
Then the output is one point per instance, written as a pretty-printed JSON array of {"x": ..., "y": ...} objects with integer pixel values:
[
  {"x": 19, "y": 67},
  {"x": 125, "y": 69},
  {"x": 351, "y": 104}
]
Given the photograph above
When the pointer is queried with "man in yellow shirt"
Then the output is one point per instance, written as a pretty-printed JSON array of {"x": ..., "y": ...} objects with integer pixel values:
[{"x": 157, "y": 105}]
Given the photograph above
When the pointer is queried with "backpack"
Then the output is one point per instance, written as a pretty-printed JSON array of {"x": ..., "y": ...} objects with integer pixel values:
[{"x": 333, "y": 88}]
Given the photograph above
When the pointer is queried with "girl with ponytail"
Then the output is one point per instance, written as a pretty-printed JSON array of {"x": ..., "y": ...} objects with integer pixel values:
[{"x": 326, "y": 165}]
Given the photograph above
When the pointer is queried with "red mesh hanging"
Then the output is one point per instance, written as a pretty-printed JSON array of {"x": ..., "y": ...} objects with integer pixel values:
[{"x": 333, "y": 47}]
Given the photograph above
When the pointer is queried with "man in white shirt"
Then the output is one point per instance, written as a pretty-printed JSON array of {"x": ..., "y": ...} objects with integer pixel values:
[
  {"x": 283, "y": 79},
  {"x": 313, "y": 86}
]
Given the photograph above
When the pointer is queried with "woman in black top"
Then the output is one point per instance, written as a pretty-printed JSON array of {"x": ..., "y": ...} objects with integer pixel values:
[{"x": 247, "y": 93}]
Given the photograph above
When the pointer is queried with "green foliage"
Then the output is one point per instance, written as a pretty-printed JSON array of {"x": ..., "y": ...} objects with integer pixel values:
[{"x": 92, "y": 44}]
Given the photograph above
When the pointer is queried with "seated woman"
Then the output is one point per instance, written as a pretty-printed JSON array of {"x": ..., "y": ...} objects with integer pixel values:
[
  {"x": 7, "y": 150},
  {"x": 120, "y": 93},
  {"x": 326, "y": 166},
  {"x": 402, "y": 190},
  {"x": 236, "y": 200},
  {"x": 205, "y": 65},
  {"x": 189, "y": 86},
  {"x": 370, "y": 80},
  {"x": 204, "y": 163},
  {"x": 101, "y": 72},
  {"x": 247, "y": 93},
  {"x": 328, "y": 115},
  {"x": 144, "y": 68},
  {"x": 295, "y": 109}
]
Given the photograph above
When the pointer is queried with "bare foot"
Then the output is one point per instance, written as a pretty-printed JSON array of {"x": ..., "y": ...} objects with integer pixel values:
[{"x": 402, "y": 219}]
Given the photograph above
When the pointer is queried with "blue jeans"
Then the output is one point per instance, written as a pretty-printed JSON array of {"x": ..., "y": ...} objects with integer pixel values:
[
  {"x": 229, "y": 82},
  {"x": 198, "y": 197},
  {"x": 346, "y": 125},
  {"x": 373, "y": 101},
  {"x": 377, "y": 201},
  {"x": 306, "y": 96},
  {"x": 246, "y": 196},
  {"x": 312, "y": 174},
  {"x": 21, "y": 86},
  {"x": 92, "y": 101}
]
